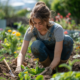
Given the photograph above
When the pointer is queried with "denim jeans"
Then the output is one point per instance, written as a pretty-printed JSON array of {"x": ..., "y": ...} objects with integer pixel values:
[{"x": 43, "y": 48}]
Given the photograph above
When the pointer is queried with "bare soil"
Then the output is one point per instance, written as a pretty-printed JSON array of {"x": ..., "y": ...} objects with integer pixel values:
[{"x": 5, "y": 73}]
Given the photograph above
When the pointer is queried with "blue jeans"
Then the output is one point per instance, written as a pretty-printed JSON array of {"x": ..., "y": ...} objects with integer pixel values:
[{"x": 42, "y": 48}]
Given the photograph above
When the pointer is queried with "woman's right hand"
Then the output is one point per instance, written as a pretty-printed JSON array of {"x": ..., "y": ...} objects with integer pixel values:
[{"x": 18, "y": 70}]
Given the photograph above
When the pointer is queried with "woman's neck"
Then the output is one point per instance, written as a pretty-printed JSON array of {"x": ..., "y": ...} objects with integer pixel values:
[{"x": 43, "y": 32}]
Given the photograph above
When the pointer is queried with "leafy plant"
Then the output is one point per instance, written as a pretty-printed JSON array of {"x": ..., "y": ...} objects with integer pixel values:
[
  {"x": 11, "y": 41},
  {"x": 67, "y": 76},
  {"x": 21, "y": 27},
  {"x": 71, "y": 75},
  {"x": 22, "y": 12},
  {"x": 70, "y": 64},
  {"x": 2, "y": 59},
  {"x": 7, "y": 9},
  {"x": 2, "y": 35},
  {"x": 2, "y": 14},
  {"x": 39, "y": 77},
  {"x": 2, "y": 78},
  {"x": 29, "y": 72}
]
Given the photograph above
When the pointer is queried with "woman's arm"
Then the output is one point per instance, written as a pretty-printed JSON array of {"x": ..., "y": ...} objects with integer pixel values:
[
  {"x": 57, "y": 54},
  {"x": 22, "y": 53}
]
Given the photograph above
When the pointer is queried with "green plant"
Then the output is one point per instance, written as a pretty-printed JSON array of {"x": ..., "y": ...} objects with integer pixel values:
[
  {"x": 70, "y": 64},
  {"x": 29, "y": 72},
  {"x": 24, "y": 76},
  {"x": 2, "y": 14},
  {"x": 35, "y": 71},
  {"x": 8, "y": 10},
  {"x": 11, "y": 41},
  {"x": 47, "y": 2},
  {"x": 3, "y": 35},
  {"x": 2, "y": 59},
  {"x": 67, "y": 76},
  {"x": 77, "y": 49},
  {"x": 39, "y": 77},
  {"x": 71, "y": 75},
  {"x": 2, "y": 78},
  {"x": 62, "y": 7},
  {"x": 22, "y": 12},
  {"x": 21, "y": 27}
]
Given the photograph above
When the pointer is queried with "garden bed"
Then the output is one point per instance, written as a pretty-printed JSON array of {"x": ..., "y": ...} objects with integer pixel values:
[{"x": 5, "y": 74}]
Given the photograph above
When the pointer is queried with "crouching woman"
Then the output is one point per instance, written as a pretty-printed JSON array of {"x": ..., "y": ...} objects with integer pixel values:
[{"x": 51, "y": 45}]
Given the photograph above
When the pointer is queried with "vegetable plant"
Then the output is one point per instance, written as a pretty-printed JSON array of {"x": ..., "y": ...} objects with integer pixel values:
[
  {"x": 31, "y": 72},
  {"x": 71, "y": 75}
]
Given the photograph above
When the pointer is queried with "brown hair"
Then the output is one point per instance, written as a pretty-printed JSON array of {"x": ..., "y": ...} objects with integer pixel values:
[{"x": 42, "y": 12}]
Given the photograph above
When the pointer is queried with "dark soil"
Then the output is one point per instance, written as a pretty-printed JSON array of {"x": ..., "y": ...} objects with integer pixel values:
[{"x": 5, "y": 73}]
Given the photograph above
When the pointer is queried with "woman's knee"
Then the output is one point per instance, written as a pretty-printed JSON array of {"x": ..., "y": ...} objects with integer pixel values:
[
  {"x": 68, "y": 41},
  {"x": 39, "y": 50},
  {"x": 67, "y": 47},
  {"x": 36, "y": 46}
]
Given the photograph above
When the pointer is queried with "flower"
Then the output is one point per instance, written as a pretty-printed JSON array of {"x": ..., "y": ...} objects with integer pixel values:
[
  {"x": 1, "y": 29},
  {"x": 18, "y": 34},
  {"x": 58, "y": 13},
  {"x": 21, "y": 40},
  {"x": 13, "y": 32},
  {"x": 14, "y": 52},
  {"x": 9, "y": 30},
  {"x": 61, "y": 16},
  {"x": 7, "y": 44},
  {"x": 78, "y": 47},
  {"x": 26, "y": 72},
  {"x": 36, "y": 59},
  {"x": 69, "y": 14},
  {"x": 65, "y": 32}
]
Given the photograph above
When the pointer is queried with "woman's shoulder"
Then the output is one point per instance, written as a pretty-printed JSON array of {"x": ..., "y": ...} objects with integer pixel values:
[
  {"x": 55, "y": 26},
  {"x": 30, "y": 30}
]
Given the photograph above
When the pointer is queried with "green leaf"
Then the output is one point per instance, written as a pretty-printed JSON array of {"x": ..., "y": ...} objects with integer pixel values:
[
  {"x": 1, "y": 78},
  {"x": 4, "y": 73},
  {"x": 65, "y": 65},
  {"x": 76, "y": 60},
  {"x": 2, "y": 59},
  {"x": 39, "y": 77},
  {"x": 29, "y": 56},
  {"x": 22, "y": 67}
]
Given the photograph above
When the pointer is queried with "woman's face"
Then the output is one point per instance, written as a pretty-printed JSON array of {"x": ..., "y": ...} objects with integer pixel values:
[{"x": 38, "y": 24}]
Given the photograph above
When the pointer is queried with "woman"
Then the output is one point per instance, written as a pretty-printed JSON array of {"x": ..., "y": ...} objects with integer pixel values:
[{"x": 51, "y": 46}]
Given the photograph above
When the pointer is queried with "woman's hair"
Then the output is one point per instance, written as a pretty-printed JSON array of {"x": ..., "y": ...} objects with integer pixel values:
[{"x": 42, "y": 12}]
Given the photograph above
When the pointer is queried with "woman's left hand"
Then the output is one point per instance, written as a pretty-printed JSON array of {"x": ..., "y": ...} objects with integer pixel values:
[{"x": 47, "y": 71}]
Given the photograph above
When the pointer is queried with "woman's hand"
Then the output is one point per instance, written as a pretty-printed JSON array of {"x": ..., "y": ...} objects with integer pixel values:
[
  {"x": 47, "y": 71},
  {"x": 18, "y": 69},
  {"x": 21, "y": 56}
]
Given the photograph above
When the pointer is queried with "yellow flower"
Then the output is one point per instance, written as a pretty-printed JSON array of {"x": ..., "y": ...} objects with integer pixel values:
[
  {"x": 21, "y": 40},
  {"x": 18, "y": 38},
  {"x": 77, "y": 47},
  {"x": 7, "y": 44},
  {"x": 36, "y": 59},
  {"x": 9, "y": 30},
  {"x": 18, "y": 34},
  {"x": 13, "y": 32},
  {"x": 14, "y": 52},
  {"x": 26, "y": 72}
]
